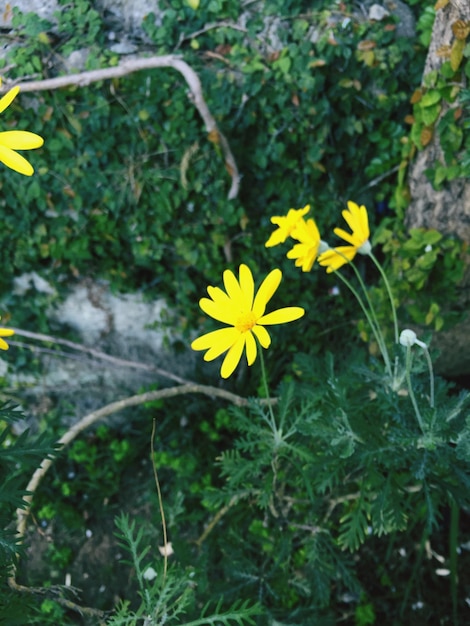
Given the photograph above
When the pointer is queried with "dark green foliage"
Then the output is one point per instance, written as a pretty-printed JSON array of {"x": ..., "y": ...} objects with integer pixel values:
[
  {"x": 128, "y": 187},
  {"x": 343, "y": 463},
  {"x": 168, "y": 597},
  {"x": 18, "y": 457}
]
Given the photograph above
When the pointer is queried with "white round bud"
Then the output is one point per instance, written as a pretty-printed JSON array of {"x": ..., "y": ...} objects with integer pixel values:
[{"x": 409, "y": 338}]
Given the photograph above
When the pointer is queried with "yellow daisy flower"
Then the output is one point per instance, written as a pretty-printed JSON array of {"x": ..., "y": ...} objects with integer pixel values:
[
  {"x": 286, "y": 225},
  {"x": 12, "y": 140},
  {"x": 358, "y": 238},
  {"x": 244, "y": 313},
  {"x": 306, "y": 251},
  {"x": 5, "y": 332}
]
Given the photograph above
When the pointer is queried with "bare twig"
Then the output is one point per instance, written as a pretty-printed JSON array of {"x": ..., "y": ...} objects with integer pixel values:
[
  {"x": 208, "y": 27},
  {"x": 130, "y": 65},
  {"x": 97, "y": 354},
  {"x": 215, "y": 520},
  {"x": 380, "y": 178}
]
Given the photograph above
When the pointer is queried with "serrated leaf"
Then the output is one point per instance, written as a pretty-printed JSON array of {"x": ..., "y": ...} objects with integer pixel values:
[{"x": 354, "y": 526}]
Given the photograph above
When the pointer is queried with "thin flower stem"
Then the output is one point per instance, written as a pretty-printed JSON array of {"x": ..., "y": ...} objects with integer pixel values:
[
  {"x": 431, "y": 377},
  {"x": 453, "y": 549},
  {"x": 389, "y": 291},
  {"x": 372, "y": 311},
  {"x": 266, "y": 387},
  {"x": 410, "y": 388},
  {"x": 370, "y": 316},
  {"x": 160, "y": 501}
]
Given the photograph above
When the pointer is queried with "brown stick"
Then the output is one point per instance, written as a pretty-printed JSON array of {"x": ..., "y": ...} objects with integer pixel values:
[
  {"x": 97, "y": 354},
  {"x": 128, "y": 66}
]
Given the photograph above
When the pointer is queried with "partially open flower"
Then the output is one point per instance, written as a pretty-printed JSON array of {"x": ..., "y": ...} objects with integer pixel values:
[
  {"x": 358, "y": 238},
  {"x": 306, "y": 251},
  {"x": 286, "y": 225}
]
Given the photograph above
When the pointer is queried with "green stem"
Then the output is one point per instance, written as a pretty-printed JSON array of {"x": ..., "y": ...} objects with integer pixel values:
[
  {"x": 410, "y": 388},
  {"x": 160, "y": 499},
  {"x": 414, "y": 573},
  {"x": 431, "y": 377},
  {"x": 389, "y": 291},
  {"x": 266, "y": 387},
  {"x": 370, "y": 316},
  {"x": 373, "y": 313},
  {"x": 453, "y": 546}
]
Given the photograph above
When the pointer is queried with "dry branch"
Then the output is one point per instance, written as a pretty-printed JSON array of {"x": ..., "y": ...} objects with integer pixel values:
[
  {"x": 131, "y": 65},
  {"x": 93, "y": 352}
]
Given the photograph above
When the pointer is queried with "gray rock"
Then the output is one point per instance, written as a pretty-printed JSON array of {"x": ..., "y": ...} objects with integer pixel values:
[{"x": 43, "y": 8}]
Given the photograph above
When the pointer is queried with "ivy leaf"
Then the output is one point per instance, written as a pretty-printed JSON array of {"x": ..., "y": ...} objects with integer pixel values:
[{"x": 456, "y": 54}]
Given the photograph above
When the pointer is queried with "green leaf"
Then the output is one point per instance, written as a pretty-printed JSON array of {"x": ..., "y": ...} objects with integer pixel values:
[
  {"x": 430, "y": 98},
  {"x": 430, "y": 114}
]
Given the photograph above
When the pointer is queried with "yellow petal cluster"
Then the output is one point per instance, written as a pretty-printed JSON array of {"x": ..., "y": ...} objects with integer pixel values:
[
  {"x": 286, "y": 225},
  {"x": 358, "y": 239},
  {"x": 12, "y": 140},
  {"x": 244, "y": 313},
  {"x": 306, "y": 251}
]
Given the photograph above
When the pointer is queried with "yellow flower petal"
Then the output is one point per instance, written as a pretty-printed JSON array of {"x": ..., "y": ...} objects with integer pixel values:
[
  {"x": 218, "y": 295},
  {"x": 251, "y": 350},
  {"x": 266, "y": 291},
  {"x": 20, "y": 140},
  {"x": 346, "y": 236},
  {"x": 247, "y": 286},
  {"x": 358, "y": 221},
  {"x": 281, "y": 316},
  {"x": 12, "y": 140},
  {"x": 8, "y": 98},
  {"x": 285, "y": 224},
  {"x": 232, "y": 358},
  {"x": 232, "y": 287},
  {"x": 334, "y": 258},
  {"x": 15, "y": 161},
  {"x": 277, "y": 237},
  {"x": 306, "y": 231},
  {"x": 5, "y": 332},
  {"x": 304, "y": 255},
  {"x": 220, "y": 311},
  {"x": 217, "y": 341},
  {"x": 262, "y": 335},
  {"x": 3, "y": 345}
]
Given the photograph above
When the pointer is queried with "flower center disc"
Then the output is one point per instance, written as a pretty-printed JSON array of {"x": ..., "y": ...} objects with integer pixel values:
[{"x": 245, "y": 322}]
